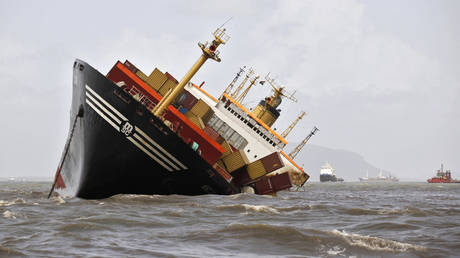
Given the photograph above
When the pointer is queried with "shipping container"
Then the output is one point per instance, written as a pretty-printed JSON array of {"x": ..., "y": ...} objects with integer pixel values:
[
  {"x": 211, "y": 132},
  {"x": 208, "y": 116},
  {"x": 171, "y": 77},
  {"x": 200, "y": 108},
  {"x": 220, "y": 163},
  {"x": 168, "y": 85},
  {"x": 142, "y": 75},
  {"x": 183, "y": 110},
  {"x": 189, "y": 100},
  {"x": 130, "y": 66},
  {"x": 281, "y": 181},
  {"x": 256, "y": 169},
  {"x": 156, "y": 79},
  {"x": 272, "y": 162},
  {"x": 195, "y": 120},
  {"x": 298, "y": 178},
  {"x": 235, "y": 160},
  {"x": 264, "y": 186},
  {"x": 228, "y": 149},
  {"x": 223, "y": 173},
  {"x": 241, "y": 177}
]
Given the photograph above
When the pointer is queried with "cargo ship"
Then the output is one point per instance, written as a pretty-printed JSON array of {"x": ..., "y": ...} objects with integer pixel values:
[
  {"x": 136, "y": 134},
  {"x": 443, "y": 177},
  {"x": 327, "y": 174},
  {"x": 379, "y": 178}
]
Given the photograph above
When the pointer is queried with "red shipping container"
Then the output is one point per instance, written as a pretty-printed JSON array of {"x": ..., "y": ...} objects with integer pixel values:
[
  {"x": 211, "y": 132},
  {"x": 272, "y": 162},
  {"x": 264, "y": 186},
  {"x": 189, "y": 101},
  {"x": 131, "y": 67},
  {"x": 241, "y": 177},
  {"x": 223, "y": 173},
  {"x": 171, "y": 77},
  {"x": 281, "y": 181}
]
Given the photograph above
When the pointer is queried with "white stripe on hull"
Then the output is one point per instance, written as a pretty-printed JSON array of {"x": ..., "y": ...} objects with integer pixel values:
[{"x": 95, "y": 101}]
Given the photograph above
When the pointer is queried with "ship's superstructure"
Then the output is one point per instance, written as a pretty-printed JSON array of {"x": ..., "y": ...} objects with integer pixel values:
[
  {"x": 327, "y": 174},
  {"x": 443, "y": 177},
  {"x": 133, "y": 133}
]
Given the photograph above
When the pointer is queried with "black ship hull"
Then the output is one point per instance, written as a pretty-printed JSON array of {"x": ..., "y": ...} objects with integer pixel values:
[
  {"x": 329, "y": 178},
  {"x": 117, "y": 146}
]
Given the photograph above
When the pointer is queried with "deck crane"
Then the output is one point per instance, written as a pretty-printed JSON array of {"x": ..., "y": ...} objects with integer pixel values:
[
  {"x": 299, "y": 147},
  {"x": 230, "y": 86},
  {"x": 235, "y": 94},
  {"x": 245, "y": 92},
  {"x": 289, "y": 129}
]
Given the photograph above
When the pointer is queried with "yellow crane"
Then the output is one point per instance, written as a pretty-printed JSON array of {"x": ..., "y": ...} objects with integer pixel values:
[
  {"x": 302, "y": 144},
  {"x": 235, "y": 94},
  {"x": 209, "y": 50},
  {"x": 230, "y": 86},
  {"x": 289, "y": 129},
  {"x": 245, "y": 92}
]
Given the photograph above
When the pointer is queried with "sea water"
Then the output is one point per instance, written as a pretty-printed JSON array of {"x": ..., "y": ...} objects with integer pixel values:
[{"x": 323, "y": 220}]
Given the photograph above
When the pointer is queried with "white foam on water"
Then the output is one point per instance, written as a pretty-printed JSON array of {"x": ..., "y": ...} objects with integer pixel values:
[
  {"x": 9, "y": 203},
  {"x": 376, "y": 243},
  {"x": 9, "y": 214},
  {"x": 59, "y": 200},
  {"x": 335, "y": 251},
  {"x": 260, "y": 208}
]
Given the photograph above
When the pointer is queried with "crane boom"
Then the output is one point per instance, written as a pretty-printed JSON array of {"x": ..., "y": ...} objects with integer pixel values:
[
  {"x": 245, "y": 92},
  {"x": 289, "y": 129},
  {"x": 235, "y": 94},
  {"x": 299, "y": 147}
]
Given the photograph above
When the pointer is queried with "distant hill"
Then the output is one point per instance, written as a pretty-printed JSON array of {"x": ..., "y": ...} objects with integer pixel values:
[{"x": 347, "y": 164}]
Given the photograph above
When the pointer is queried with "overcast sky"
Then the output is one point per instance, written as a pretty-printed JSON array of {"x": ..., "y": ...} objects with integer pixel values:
[{"x": 379, "y": 78}]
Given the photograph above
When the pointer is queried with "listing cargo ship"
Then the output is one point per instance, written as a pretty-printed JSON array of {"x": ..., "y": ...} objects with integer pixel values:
[
  {"x": 379, "y": 178},
  {"x": 327, "y": 174},
  {"x": 136, "y": 134},
  {"x": 443, "y": 177}
]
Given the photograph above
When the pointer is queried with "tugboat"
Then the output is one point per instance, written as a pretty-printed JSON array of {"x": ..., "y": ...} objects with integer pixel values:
[
  {"x": 136, "y": 134},
  {"x": 443, "y": 177},
  {"x": 327, "y": 174}
]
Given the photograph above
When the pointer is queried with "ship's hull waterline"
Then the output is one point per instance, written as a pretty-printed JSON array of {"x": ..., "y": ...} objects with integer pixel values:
[{"x": 119, "y": 147}]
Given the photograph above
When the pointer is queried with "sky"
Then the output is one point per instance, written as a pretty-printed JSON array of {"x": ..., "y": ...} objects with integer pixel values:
[{"x": 379, "y": 78}]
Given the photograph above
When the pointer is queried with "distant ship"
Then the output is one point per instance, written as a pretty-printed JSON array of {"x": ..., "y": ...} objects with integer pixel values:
[
  {"x": 443, "y": 177},
  {"x": 379, "y": 178},
  {"x": 327, "y": 174}
]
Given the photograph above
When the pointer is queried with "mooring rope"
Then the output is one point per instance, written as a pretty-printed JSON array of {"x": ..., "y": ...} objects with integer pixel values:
[{"x": 66, "y": 150}]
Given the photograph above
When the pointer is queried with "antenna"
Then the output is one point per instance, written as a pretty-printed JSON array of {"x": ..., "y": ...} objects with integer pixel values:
[{"x": 225, "y": 22}]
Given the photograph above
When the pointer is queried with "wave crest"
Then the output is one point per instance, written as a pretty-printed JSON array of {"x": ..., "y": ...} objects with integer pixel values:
[{"x": 376, "y": 243}]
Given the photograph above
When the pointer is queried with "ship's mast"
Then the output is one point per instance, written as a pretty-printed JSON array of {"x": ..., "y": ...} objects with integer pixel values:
[
  {"x": 230, "y": 86},
  {"x": 209, "y": 51},
  {"x": 289, "y": 129},
  {"x": 245, "y": 92},
  {"x": 234, "y": 95},
  {"x": 299, "y": 147}
]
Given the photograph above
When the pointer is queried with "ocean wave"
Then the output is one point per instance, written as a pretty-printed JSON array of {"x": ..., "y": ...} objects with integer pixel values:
[
  {"x": 376, "y": 243},
  {"x": 9, "y": 203},
  {"x": 9, "y": 251},
  {"x": 249, "y": 208},
  {"x": 9, "y": 214}
]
